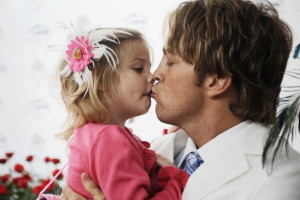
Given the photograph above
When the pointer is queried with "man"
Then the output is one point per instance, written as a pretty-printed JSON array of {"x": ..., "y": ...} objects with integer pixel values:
[{"x": 218, "y": 80}]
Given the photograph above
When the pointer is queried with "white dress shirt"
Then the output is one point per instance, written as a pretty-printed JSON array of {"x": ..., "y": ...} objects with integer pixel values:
[{"x": 216, "y": 143}]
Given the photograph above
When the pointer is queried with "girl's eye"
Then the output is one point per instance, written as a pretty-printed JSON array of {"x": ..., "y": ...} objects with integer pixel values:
[{"x": 139, "y": 69}]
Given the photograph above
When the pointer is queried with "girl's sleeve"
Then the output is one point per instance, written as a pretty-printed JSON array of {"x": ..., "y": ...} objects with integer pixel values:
[{"x": 118, "y": 168}]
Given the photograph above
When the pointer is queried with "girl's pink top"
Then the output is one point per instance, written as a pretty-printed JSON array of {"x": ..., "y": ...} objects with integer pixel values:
[{"x": 121, "y": 165}]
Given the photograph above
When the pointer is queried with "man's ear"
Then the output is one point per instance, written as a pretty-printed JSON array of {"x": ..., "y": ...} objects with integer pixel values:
[{"x": 216, "y": 85}]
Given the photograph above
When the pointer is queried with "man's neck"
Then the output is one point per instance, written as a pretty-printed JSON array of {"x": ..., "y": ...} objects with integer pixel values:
[{"x": 204, "y": 130}]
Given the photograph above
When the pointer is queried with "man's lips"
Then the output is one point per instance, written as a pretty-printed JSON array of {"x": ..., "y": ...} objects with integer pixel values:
[{"x": 153, "y": 95}]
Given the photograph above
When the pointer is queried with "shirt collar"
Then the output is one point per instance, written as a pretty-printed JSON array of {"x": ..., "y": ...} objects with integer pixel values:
[{"x": 213, "y": 145}]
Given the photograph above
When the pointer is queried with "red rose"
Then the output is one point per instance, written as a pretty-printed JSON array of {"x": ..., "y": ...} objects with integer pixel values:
[
  {"x": 19, "y": 168},
  {"x": 3, "y": 189},
  {"x": 165, "y": 131},
  {"x": 45, "y": 183},
  {"x": 59, "y": 176},
  {"x": 3, "y": 160},
  {"x": 9, "y": 154},
  {"x": 55, "y": 160},
  {"x": 27, "y": 176},
  {"x": 15, "y": 180},
  {"x": 47, "y": 159},
  {"x": 5, "y": 178},
  {"x": 29, "y": 158},
  {"x": 37, "y": 189},
  {"x": 22, "y": 182}
]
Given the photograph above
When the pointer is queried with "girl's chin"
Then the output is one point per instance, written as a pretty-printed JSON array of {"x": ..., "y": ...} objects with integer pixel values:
[{"x": 146, "y": 109}]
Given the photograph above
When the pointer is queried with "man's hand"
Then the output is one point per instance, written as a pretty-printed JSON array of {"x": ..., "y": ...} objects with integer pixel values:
[
  {"x": 89, "y": 185},
  {"x": 162, "y": 161},
  {"x": 68, "y": 193}
]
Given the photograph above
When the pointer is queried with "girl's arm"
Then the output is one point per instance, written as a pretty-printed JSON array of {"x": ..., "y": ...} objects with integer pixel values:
[
  {"x": 93, "y": 188},
  {"x": 118, "y": 168}
]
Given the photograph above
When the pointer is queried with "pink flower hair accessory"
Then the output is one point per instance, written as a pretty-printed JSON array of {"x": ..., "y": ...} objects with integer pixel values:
[
  {"x": 79, "y": 54},
  {"x": 84, "y": 48}
]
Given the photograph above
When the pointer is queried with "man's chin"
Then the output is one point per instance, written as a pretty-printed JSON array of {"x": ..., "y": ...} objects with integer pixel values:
[{"x": 161, "y": 116}]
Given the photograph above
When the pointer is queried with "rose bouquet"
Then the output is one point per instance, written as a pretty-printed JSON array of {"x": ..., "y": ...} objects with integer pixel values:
[{"x": 20, "y": 183}]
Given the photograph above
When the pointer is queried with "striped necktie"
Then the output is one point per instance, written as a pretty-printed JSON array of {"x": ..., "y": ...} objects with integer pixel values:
[{"x": 192, "y": 162}]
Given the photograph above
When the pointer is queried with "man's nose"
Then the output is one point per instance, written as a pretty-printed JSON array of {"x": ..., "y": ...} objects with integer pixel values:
[
  {"x": 155, "y": 80},
  {"x": 158, "y": 74}
]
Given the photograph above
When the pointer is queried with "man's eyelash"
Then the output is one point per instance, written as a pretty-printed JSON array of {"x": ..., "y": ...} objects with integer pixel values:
[{"x": 170, "y": 64}]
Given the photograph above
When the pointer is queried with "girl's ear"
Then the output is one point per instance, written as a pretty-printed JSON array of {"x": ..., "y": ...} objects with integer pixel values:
[
  {"x": 216, "y": 86},
  {"x": 100, "y": 88}
]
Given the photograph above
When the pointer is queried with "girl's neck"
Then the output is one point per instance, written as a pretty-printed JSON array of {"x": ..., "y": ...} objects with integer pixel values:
[
  {"x": 117, "y": 118},
  {"x": 121, "y": 124},
  {"x": 116, "y": 121}
]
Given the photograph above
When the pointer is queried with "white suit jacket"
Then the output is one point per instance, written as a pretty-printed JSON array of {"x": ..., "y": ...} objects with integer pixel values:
[{"x": 235, "y": 172}]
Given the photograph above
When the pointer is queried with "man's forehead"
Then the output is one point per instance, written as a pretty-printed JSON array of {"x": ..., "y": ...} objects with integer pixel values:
[
  {"x": 174, "y": 49},
  {"x": 170, "y": 52},
  {"x": 165, "y": 50}
]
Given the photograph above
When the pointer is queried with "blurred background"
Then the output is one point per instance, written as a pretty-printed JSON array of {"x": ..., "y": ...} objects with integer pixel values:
[{"x": 31, "y": 112}]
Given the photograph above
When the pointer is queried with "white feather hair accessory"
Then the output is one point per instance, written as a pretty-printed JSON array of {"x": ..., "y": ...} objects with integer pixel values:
[{"x": 85, "y": 47}]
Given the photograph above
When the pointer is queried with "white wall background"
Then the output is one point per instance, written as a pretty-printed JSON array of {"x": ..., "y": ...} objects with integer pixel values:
[{"x": 30, "y": 112}]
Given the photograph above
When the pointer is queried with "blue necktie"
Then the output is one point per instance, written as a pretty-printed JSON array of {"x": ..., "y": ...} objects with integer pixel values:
[{"x": 192, "y": 162}]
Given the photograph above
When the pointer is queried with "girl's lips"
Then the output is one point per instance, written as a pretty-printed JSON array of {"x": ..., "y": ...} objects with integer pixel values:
[{"x": 148, "y": 94}]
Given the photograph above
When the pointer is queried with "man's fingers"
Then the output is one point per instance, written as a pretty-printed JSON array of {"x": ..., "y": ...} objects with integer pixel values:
[
  {"x": 62, "y": 197},
  {"x": 68, "y": 193},
  {"x": 91, "y": 187},
  {"x": 162, "y": 161}
]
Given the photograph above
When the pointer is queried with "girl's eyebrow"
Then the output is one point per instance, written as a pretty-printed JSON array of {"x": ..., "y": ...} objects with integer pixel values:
[{"x": 141, "y": 60}]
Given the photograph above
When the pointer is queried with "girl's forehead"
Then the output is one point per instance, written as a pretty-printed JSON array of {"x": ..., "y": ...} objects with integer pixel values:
[{"x": 135, "y": 51}]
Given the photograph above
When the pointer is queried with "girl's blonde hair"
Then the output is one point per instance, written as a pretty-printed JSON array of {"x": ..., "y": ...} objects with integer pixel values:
[{"x": 92, "y": 107}]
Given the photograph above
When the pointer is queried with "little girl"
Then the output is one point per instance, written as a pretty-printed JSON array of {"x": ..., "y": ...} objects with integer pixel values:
[{"x": 106, "y": 80}]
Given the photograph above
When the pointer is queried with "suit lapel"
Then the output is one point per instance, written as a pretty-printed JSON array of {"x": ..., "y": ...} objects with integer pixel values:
[
  {"x": 214, "y": 173},
  {"x": 225, "y": 165}
]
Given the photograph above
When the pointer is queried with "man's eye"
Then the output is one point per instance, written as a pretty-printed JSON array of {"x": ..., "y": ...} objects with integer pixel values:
[
  {"x": 139, "y": 69},
  {"x": 170, "y": 64}
]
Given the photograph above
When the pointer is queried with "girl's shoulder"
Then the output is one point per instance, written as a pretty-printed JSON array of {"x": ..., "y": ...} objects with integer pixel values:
[
  {"x": 92, "y": 134},
  {"x": 97, "y": 130}
]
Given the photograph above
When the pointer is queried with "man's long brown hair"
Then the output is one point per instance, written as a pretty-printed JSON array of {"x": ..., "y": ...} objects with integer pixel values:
[{"x": 235, "y": 38}]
